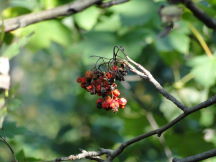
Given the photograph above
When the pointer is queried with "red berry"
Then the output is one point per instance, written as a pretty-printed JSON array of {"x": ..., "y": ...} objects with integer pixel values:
[
  {"x": 99, "y": 103},
  {"x": 115, "y": 68},
  {"x": 99, "y": 100},
  {"x": 89, "y": 88},
  {"x": 122, "y": 106},
  {"x": 81, "y": 80},
  {"x": 105, "y": 105},
  {"x": 114, "y": 104},
  {"x": 109, "y": 75},
  {"x": 116, "y": 92},
  {"x": 122, "y": 101}
]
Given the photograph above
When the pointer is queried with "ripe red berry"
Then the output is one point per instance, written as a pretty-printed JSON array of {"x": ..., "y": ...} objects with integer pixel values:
[
  {"x": 114, "y": 104},
  {"x": 103, "y": 84},
  {"x": 81, "y": 80},
  {"x": 109, "y": 75},
  {"x": 99, "y": 100},
  {"x": 116, "y": 92},
  {"x": 114, "y": 67},
  {"x": 89, "y": 88},
  {"x": 122, "y": 101},
  {"x": 122, "y": 106}
]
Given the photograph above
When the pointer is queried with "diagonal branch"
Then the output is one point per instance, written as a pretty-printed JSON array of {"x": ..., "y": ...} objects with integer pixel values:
[
  {"x": 92, "y": 155},
  {"x": 162, "y": 129},
  {"x": 145, "y": 74},
  {"x": 112, "y": 154},
  {"x": 64, "y": 10},
  {"x": 198, "y": 13},
  {"x": 197, "y": 157},
  {"x": 159, "y": 131}
]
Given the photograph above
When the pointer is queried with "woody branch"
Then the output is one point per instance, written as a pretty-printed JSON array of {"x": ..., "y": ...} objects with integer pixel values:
[
  {"x": 198, "y": 13},
  {"x": 145, "y": 74},
  {"x": 64, "y": 10}
]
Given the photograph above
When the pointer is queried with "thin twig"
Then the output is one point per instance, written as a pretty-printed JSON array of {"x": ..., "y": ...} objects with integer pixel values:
[
  {"x": 144, "y": 73},
  {"x": 162, "y": 129},
  {"x": 10, "y": 148},
  {"x": 201, "y": 40},
  {"x": 198, "y": 13},
  {"x": 197, "y": 157},
  {"x": 92, "y": 155},
  {"x": 112, "y": 154}
]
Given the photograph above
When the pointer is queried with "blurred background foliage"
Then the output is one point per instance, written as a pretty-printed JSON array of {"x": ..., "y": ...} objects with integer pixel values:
[{"x": 49, "y": 115}]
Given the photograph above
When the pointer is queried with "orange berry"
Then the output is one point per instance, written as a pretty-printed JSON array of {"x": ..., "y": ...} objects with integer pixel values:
[
  {"x": 122, "y": 101},
  {"x": 116, "y": 92},
  {"x": 114, "y": 105},
  {"x": 89, "y": 74}
]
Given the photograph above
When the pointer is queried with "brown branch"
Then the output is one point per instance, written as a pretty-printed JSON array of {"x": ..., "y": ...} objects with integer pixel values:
[
  {"x": 198, "y": 13},
  {"x": 112, "y": 154},
  {"x": 145, "y": 74},
  {"x": 161, "y": 130},
  {"x": 111, "y": 3},
  {"x": 92, "y": 155},
  {"x": 197, "y": 157},
  {"x": 64, "y": 10}
]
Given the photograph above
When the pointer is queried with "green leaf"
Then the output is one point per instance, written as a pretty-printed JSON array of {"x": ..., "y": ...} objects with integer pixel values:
[
  {"x": 97, "y": 43},
  {"x": 188, "y": 140},
  {"x": 137, "y": 12},
  {"x": 203, "y": 69},
  {"x": 207, "y": 117},
  {"x": 47, "y": 32},
  {"x": 10, "y": 129},
  {"x": 111, "y": 23},
  {"x": 88, "y": 18},
  {"x": 179, "y": 41},
  {"x": 15, "y": 11},
  {"x": 169, "y": 109},
  {"x": 14, "y": 49},
  {"x": 22, "y": 157}
]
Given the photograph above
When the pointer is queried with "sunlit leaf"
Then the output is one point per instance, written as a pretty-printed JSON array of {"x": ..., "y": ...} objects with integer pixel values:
[{"x": 203, "y": 70}]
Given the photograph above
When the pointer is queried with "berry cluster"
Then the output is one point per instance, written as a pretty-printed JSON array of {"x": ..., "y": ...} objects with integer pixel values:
[{"x": 102, "y": 83}]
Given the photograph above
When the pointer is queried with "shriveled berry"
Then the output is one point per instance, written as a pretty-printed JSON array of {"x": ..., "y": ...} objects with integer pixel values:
[{"x": 88, "y": 74}]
